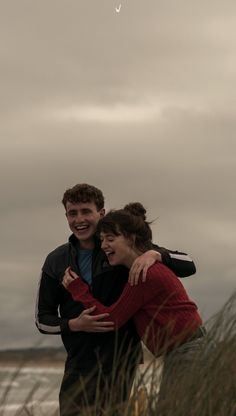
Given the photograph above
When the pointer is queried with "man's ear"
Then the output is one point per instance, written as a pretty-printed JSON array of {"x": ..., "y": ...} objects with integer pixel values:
[{"x": 102, "y": 212}]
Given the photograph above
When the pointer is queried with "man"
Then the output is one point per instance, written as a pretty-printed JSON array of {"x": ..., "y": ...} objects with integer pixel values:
[{"x": 97, "y": 356}]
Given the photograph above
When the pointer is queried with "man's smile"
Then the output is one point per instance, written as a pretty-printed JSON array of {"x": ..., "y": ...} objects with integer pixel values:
[{"x": 82, "y": 227}]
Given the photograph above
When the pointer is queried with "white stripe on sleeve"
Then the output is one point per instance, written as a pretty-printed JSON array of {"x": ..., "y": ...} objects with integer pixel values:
[{"x": 180, "y": 257}]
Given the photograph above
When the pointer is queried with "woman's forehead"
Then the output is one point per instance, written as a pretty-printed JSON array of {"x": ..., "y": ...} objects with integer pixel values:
[{"x": 106, "y": 233}]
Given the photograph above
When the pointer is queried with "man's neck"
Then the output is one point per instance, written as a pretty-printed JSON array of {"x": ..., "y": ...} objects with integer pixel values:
[{"x": 87, "y": 244}]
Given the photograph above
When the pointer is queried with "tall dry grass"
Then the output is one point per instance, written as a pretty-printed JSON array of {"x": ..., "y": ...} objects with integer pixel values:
[{"x": 207, "y": 388}]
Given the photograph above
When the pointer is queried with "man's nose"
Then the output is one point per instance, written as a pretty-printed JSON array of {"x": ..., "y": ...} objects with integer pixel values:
[{"x": 79, "y": 217}]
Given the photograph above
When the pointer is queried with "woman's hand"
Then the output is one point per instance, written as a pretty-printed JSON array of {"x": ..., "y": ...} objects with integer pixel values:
[
  {"x": 69, "y": 277},
  {"x": 141, "y": 265}
]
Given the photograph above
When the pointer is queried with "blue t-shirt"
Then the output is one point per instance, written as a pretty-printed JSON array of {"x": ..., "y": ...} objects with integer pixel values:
[{"x": 85, "y": 264}]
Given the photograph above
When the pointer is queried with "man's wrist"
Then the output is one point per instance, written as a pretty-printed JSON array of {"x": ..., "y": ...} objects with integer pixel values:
[
  {"x": 64, "y": 324},
  {"x": 73, "y": 325}
]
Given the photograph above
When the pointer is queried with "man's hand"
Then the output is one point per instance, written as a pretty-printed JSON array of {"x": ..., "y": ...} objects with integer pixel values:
[
  {"x": 91, "y": 323},
  {"x": 142, "y": 264},
  {"x": 68, "y": 277}
]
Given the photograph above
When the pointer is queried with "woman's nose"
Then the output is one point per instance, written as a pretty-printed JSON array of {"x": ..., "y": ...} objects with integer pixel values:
[{"x": 103, "y": 245}]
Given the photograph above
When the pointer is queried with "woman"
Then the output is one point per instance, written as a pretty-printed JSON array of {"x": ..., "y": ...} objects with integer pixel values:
[{"x": 166, "y": 319}]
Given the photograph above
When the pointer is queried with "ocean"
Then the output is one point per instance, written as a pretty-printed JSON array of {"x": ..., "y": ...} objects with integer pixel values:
[
  {"x": 29, "y": 390},
  {"x": 34, "y": 390}
]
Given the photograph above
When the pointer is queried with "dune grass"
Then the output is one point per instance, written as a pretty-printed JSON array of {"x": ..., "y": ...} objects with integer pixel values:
[{"x": 207, "y": 388}]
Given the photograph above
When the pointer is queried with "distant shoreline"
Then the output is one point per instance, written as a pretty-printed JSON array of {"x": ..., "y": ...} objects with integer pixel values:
[
  {"x": 41, "y": 358},
  {"x": 32, "y": 364},
  {"x": 35, "y": 357}
]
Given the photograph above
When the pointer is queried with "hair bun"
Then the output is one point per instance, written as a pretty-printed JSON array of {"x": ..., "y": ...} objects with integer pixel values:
[{"x": 135, "y": 208}]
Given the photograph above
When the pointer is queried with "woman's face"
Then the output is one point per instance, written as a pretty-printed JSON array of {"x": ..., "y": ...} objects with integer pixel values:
[{"x": 117, "y": 248}]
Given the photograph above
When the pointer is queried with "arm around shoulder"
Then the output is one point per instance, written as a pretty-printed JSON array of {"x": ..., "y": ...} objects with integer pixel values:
[{"x": 180, "y": 263}]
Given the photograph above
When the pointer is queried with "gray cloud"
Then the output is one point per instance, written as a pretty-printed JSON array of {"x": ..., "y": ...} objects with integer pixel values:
[{"x": 140, "y": 104}]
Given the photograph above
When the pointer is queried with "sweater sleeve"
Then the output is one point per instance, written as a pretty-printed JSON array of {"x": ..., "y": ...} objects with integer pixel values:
[{"x": 131, "y": 300}]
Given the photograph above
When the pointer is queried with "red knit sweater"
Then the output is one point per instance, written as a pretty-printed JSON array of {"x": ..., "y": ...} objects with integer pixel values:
[{"x": 163, "y": 314}]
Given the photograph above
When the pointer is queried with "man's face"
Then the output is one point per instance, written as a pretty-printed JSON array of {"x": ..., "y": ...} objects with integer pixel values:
[{"x": 83, "y": 218}]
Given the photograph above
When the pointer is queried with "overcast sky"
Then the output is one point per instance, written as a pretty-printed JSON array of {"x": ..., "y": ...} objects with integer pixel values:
[{"x": 139, "y": 103}]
